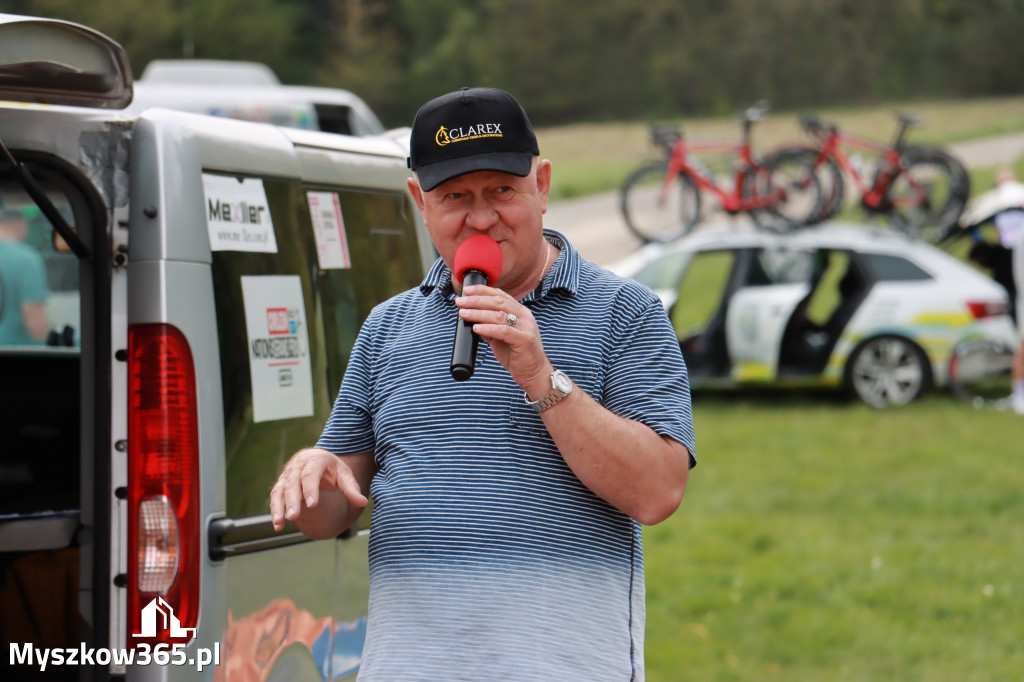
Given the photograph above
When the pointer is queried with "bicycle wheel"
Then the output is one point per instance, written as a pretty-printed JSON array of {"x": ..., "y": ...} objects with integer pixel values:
[
  {"x": 979, "y": 372},
  {"x": 789, "y": 190},
  {"x": 757, "y": 183},
  {"x": 828, "y": 172},
  {"x": 793, "y": 171},
  {"x": 655, "y": 213},
  {"x": 929, "y": 194}
]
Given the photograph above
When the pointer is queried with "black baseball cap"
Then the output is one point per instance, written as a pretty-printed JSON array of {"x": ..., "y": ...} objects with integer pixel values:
[{"x": 469, "y": 130}]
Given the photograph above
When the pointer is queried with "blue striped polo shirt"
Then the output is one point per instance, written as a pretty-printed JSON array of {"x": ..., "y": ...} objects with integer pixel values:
[{"x": 489, "y": 560}]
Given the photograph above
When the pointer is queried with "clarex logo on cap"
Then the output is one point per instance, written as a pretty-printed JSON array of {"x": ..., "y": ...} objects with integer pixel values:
[
  {"x": 469, "y": 130},
  {"x": 444, "y": 136}
]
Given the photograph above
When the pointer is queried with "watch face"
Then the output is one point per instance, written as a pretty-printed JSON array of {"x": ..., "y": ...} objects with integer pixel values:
[{"x": 562, "y": 382}]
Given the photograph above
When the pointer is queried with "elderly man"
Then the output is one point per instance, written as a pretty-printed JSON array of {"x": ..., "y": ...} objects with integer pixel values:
[{"x": 505, "y": 539}]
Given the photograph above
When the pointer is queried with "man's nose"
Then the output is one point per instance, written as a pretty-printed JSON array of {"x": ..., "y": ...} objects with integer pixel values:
[{"x": 481, "y": 215}]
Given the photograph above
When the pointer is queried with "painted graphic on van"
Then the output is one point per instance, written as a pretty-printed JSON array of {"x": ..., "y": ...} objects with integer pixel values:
[
  {"x": 283, "y": 641},
  {"x": 279, "y": 365},
  {"x": 238, "y": 214},
  {"x": 329, "y": 230}
]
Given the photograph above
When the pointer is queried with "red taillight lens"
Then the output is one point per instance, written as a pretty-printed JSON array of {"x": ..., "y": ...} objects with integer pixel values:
[
  {"x": 983, "y": 309},
  {"x": 163, "y": 487}
]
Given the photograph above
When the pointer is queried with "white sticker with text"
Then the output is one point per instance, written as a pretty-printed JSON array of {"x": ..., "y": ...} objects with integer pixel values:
[
  {"x": 279, "y": 363},
  {"x": 329, "y": 230},
  {"x": 238, "y": 214}
]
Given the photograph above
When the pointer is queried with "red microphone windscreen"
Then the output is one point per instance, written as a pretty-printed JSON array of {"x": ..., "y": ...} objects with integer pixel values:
[{"x": 478, "y": 252}]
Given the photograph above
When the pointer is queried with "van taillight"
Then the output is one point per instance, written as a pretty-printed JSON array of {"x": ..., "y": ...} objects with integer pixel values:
[
  {"x": 163, "y": 487},
  {"x": 983, "y": 309}
]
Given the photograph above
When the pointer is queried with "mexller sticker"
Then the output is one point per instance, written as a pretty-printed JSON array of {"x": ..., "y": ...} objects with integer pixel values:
[
  {"x": 238, "y": 214},
  {"x": 329, "y": 230},
  {"x": 279, "y": 365}
]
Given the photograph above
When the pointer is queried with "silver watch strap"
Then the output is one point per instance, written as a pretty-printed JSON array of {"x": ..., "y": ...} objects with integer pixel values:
[
  {"x": 553, "y": 397},
  {"x": 550, "y": 400}
]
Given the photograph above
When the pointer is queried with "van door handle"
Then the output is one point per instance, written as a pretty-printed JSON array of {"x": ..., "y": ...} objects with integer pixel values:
[{"x": 234, "y": 537}]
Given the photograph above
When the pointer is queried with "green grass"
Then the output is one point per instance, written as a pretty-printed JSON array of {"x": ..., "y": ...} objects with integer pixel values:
[
  {"x": 591, "y": 158},
  {"x": 824, "y": 540},
  {"x": 821, "y": 540}
]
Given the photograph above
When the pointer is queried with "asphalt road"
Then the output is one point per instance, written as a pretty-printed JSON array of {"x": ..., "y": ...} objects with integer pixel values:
[{"x": 594, "y": 225}]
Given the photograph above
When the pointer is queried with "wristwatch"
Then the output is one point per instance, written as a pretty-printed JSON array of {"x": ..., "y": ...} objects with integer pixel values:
[{"x": 561, "y": 386}]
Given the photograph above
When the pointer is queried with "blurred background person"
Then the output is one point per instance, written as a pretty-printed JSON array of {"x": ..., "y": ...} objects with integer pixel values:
[
  {"x": 998, "y": 260},
  {"x": 23, "y": 288},
  {"x": 1009, "y": 223}
]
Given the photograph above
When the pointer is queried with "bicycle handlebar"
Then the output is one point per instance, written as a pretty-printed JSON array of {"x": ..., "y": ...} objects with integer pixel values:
[
  {"x": 666, "y": 135},
  {"x": 815, "y": 126}
]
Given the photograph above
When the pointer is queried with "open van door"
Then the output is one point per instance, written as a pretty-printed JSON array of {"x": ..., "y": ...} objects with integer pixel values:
[
  {"x": 48, "y": 61},
  {"x": 60, "y": 179},
  {"x": 204, "y": 281}
]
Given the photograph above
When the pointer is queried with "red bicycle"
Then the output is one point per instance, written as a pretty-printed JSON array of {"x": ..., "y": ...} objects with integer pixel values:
[
  {"x": 661, "y": 200},
  {"x": 923, "y": 190}
]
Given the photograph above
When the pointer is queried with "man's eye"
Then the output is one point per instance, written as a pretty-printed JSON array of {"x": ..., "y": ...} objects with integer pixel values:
[
  {"x": 454, "y": 195},
  {"x": 503, "y": 189}
]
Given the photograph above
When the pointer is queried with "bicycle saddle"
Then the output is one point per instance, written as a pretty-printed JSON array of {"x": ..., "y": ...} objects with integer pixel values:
[
  {"x": 756, "y": 111},
  {"x": 908, "y": 120}
]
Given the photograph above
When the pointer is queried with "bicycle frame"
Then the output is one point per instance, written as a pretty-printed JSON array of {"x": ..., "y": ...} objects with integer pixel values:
[
  {"x": 732, "y": 200},
  {"x": 877, "y": 195}
]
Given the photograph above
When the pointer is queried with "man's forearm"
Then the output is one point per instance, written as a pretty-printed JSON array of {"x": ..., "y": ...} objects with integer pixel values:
[{"x": 624, "y": 462}]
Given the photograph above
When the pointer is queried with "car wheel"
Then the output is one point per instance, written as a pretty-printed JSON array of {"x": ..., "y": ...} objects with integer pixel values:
[{"x": 888, "y": 370}]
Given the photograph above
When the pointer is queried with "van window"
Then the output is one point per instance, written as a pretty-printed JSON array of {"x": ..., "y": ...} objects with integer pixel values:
[
  {"x": 39, "y": 296},
  {"x": 334, "y": 118},
  {"x": 40, "y": 335},
  {"x": 287, "y": 321}
]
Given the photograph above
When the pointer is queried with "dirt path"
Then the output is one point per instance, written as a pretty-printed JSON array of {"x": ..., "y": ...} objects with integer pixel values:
[{"x": 594, "y": 225}]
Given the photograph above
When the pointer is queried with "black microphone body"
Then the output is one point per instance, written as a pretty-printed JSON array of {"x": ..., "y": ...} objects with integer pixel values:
[{"x": 466, "y": 340}]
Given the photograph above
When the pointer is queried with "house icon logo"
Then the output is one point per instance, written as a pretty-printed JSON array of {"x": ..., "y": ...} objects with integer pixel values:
[{"x": 158, "y": 615}]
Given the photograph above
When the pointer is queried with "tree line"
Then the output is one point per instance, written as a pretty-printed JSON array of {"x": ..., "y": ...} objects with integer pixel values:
[{"x": 589, "y": 60}]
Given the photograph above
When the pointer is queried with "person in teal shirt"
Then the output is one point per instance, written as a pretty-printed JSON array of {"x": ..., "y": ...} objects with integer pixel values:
[{"x": 23, "y": 288}]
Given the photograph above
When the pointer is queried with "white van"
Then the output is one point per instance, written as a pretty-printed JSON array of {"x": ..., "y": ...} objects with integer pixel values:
[
  {"x": 203, "y": 281},
  {"x": 250, "y": 91}
]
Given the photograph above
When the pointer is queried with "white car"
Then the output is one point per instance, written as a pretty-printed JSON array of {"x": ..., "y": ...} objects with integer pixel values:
[{"x": 847, "y": 306}]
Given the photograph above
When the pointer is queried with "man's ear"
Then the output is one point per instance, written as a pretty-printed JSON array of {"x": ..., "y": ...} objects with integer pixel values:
[
  {"x": 417, "y": 194},
  {"x": 544, "y": 183}
]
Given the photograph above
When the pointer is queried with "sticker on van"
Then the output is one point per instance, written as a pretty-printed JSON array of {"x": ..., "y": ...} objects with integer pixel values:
[
  {"x": 279, "y": 365},
  {"x": 329, "y": 230},
  {"x": 238, "y": 214}
]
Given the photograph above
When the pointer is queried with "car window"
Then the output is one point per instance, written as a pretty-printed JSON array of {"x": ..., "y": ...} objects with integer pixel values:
[
  {"x": 701, "y": 291},
  {"x": 663, "y": 273},
  {"x": 287, "y": 320},
  {"x": 780, "y": 265},
  {"x": 896, "y": 269}
]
